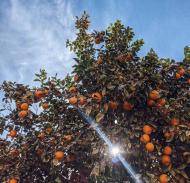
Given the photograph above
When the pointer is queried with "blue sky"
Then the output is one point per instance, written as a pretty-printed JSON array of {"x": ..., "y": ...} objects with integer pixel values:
[{"x": 33, "y": 33}]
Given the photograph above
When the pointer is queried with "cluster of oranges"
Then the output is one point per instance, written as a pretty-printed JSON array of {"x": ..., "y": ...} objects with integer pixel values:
[
  {"x": 12, "y": 133},
  {"x": 23, "y": 110},
  {"x": 23, "y": 107},
  {"x": 97, "y": 96},
  {"x": 155, "y": 100},
  {"x": 145, "y": 138},
  {"x": 166, "y": 160},
  {"x": 179, "y": 73}
]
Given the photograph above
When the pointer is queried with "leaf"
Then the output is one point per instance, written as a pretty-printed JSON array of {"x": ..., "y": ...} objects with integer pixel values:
[
  {"x": 57, "y": 180},
  {"x": 99, "y": 117}
]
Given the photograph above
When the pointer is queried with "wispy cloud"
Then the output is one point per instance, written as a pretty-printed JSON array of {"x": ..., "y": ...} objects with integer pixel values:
[{"x": 33, "y": 36}]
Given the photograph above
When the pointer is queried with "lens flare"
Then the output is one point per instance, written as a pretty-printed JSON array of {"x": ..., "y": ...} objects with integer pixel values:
[{"x": 113, "y": 149}]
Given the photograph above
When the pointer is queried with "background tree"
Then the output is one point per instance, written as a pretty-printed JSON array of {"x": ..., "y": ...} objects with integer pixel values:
[{"x": 141, "y": 103}]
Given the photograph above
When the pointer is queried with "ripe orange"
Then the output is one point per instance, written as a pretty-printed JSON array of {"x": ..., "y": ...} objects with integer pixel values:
[
  {"x": 166, "y": 160},
  {"x": 177, "y": 76},
  {"x": 98, "y": 39},
  {"x": 14, "y": 152},
  {"x": 23, "y": 114},
  {"x": 175, "y": 121},
  {"x": 163, "y": 178},
  {"x": 127, "y": 106},
  {"x": 45, "y": 106},
  {"x": 129, "y": 57},
  {"x": 99, "y": 61},
  {"x": 49, "y": 130},
  {"x": 161, "y": 102},
  {"x": 97, "y": 96},
  {"x": 24, "y": 106},
  {"x": 150, "y": 102},
  {"x": 188, "y": 81},
  {"x": 82, "y": 100},
  {"x": 39, "y": 151},
  {"x": 150, "y": 147},
  {"x": 168, "y": 135},
  {"x": 13, "y": 181},
  {"x": 72, "y": 89},
  {"x": 181, "y": 72},
  {"x": 67, "y": 138},
  {"x": 167, "y": 150},
  {"x": 113, "y": 105},
  {"x": 73, "y": 100},
  {"x": 38, "y": 94},
  {"x": 154, "y": 95},
  {"x": 59, "y": 155},
  {"x": 76, "y": 78},
  {"x": 145, "y": 138},
  {"x": 41, "y": 136},
  {"x": 13, "y": 133},
  {"x": 147, "y": 129}
]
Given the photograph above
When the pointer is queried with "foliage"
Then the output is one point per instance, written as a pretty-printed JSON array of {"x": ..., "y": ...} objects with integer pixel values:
[{"x": 111, "y": 83}]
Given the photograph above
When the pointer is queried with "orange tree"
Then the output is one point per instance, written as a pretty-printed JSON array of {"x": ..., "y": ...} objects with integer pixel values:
[{"x": 141, "y": 103}]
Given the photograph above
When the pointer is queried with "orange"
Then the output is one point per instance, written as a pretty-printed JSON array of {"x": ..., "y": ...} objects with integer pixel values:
[
  {"x": 168, "y": 135},
  {"x": 127, "y": 106},
  {"x": 175, "y": 121},
  {"x": 188, "y": 81},
  {"x": 181, "y": 72},
  {"x": 166, "y": 160},
  {"x": 129, "y": 57},
  {"x": 67, "y": 138},
  {"x": 13, "y": 133},
  {"x": 38, "y": 94},
  {"x": 97, "y": 40},
  {"x": 150, "y": 147},
  {"x": 12, "y": 181},
  {"x": 97, "y": 96},
  {"x": 24, "y": 106},
  {"x": 23, "y": 114},
  {"x": 113, "y": 105},
  {"x": 82, "y": 100},
  {"x": 14, "y": 152},
  {"x": 99, "y": 61},
  {"x": 49, "y": 130},
  {"x": 177, "y": 76},
  {"x": 73, "y": 100},
  {"x": 45, "y": 106},
  {"x": 145, "y": 138},
  {"x": 72, "y": 89},
  {"x": 167, "y": 150},
  {"x": 150, "y": 102},
  {"x": 76, "y": 78},
  {"x": 163, "y": 178},
  {"x": 147, "y": 129},
  {"x": 161, "y": 102},
  {"x": 154, "y": 95},
  {"x": 41, "y": 136},
  {"x": 39, "y": 151},
  {"x": 59, "y": 155}
]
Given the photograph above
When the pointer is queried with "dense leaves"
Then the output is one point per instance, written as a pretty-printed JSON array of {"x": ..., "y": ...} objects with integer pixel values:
[{"x": 141, "y": 103}]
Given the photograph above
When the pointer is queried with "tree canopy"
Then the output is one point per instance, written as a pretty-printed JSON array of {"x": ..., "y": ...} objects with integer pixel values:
[{"x": 141, "y": 103}]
